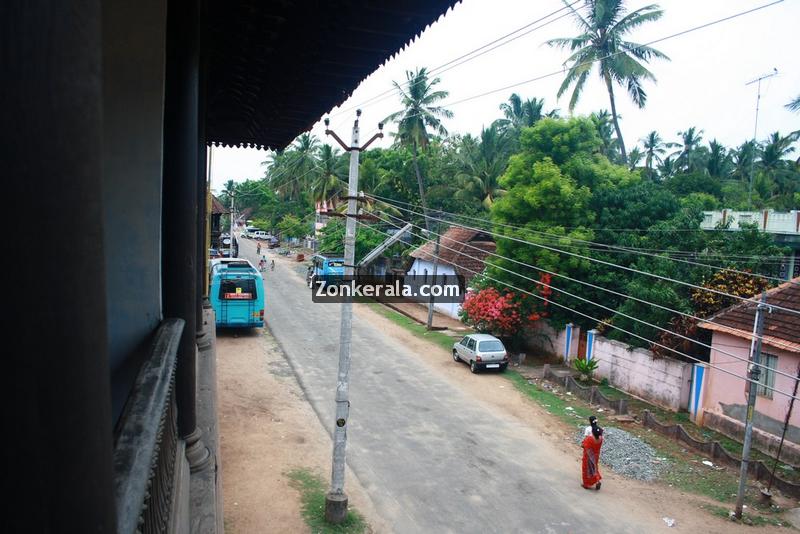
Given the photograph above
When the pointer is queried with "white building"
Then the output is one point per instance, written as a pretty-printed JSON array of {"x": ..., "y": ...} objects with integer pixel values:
[{"x": 461, "y": 252}]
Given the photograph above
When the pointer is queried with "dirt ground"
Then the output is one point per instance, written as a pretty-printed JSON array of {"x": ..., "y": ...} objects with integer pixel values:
[{"x": 268, "y": 428}]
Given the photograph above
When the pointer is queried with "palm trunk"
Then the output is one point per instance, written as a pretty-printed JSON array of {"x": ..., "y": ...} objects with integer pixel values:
[
  {"x": 610, "y": 88},
  {"x": 419, "y": 183},
  {"x": 429, "y": 324}
]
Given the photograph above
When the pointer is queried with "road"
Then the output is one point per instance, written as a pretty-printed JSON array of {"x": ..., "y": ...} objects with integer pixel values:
[{"x": 432, "y": 458}]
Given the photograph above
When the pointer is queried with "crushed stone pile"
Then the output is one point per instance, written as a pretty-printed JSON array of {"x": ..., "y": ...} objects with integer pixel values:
[{"x": 628, "y": 455}]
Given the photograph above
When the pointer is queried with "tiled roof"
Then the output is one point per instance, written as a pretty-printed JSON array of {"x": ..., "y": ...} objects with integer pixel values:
[
  {"x": 274, "y": 67},
  {"x": 456, "y": 249},
  {"x": 216, "y": 206},
  {"x": 781, "y": 328}
]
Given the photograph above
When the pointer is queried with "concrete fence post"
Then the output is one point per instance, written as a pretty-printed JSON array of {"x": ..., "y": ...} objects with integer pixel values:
[
  {"x": 546, "y": 371},
  {"x": 590, "y": 335},
  {"x": 592, "y": 392},
  {"x": 567, "y": 343}
]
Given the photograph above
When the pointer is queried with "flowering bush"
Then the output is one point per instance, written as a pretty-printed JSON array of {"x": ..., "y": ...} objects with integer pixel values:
[{"x": 505, "y": 313}]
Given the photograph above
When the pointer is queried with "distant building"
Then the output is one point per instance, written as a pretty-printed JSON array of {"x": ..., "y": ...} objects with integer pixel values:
[
  {"x": 785, "y": 226},
  {"x": 722, "y": 398},
  {"x": 462, "y": 251}
]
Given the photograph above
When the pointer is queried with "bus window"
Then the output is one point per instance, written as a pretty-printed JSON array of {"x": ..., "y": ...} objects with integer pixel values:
[{"x": 237, "y": 289}]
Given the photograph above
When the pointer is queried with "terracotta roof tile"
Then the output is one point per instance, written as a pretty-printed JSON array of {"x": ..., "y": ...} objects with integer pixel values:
[
  {"x": 456, "y": 249},
  {"x": 781, "y": 328}
]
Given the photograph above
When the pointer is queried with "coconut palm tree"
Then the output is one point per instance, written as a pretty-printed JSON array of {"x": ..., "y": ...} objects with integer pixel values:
[
  {"x": 603, "y": 125},
  {"x": 603, "y": 28},
  {"x": 301, "y": 166},
  {"x": 743, "y": 159},
  {"x": 794, "y": 105},
  {"x": 481, "y": 162},
  {"x": 329, "y": 181},
  {"x": 719, "y": 161},
  {"x": 654, "y": 148},
  {"x": 634, "y": 157},
  {"x": 522, "y": 113},
  {"x": 686, "y": 156},
  {"x": 419, "y": 113}
]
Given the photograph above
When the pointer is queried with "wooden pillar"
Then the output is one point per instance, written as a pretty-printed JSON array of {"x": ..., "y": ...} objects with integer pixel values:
[
  {"x": 57, "y": 417},
  {"x": 180, "y": 210}
]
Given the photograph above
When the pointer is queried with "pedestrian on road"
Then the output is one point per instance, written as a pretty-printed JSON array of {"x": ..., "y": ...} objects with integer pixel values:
[
  {"x": 272, "y": 265},
  {"x": 258, "y": 248},
  {"x": 591, "y": 456},
  {"x": 262, "y": 264}
]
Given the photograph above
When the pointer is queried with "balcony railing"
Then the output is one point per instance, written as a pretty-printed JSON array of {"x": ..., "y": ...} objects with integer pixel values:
[{"x": 147, "y": 443}]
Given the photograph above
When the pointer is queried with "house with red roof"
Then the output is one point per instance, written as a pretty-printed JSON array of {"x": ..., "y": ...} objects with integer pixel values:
[
  {"x": 721, "y": 400},
  {"x": 462, "y": 251}
]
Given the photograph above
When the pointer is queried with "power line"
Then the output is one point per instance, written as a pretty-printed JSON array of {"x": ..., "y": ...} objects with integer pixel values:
[
  {"x": 617, "y": 312},
  {"x": 594, "y": 286},
  {"x": 454, "y": 62},
  {"x": 573, "y": 310},
  {"x": 608, "y": 56},
  {"x": 620, "y": 249},
  {"x": 610, "y": 264}
]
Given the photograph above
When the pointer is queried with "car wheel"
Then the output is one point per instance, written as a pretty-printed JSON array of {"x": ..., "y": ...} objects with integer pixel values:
[
  {"x": 503, "y": 367},
  {"x": 455, "y": 356},
  {"x": 473, "y": 367}
]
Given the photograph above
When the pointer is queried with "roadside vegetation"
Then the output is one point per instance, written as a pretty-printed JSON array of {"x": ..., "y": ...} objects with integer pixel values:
[
  {"x": 560, "y": 194},
  {"x": 312, "y": 494}
]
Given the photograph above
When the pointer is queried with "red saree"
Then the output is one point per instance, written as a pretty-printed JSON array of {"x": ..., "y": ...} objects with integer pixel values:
[{"x": 591, "y": 457}]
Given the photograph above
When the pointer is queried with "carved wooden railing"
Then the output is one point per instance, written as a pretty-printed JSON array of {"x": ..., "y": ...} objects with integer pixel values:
[{"x": 146, "y": 444}]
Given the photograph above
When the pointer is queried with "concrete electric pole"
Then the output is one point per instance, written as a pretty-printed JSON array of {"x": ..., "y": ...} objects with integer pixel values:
[
  {"x": 754, "y": 374},
  {"x": 336, "y": 499}
]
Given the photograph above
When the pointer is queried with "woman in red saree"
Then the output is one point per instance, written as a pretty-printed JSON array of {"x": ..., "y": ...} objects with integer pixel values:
[{"x": 591, "y": 456}]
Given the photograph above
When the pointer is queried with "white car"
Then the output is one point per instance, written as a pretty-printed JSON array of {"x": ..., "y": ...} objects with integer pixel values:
[
  {"x": 481, "y": 351},
  {"x": 261, "y": 234}
]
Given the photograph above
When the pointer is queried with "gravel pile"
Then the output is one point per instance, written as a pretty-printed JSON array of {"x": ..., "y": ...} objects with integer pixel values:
[{"x": 628, "y": 455}]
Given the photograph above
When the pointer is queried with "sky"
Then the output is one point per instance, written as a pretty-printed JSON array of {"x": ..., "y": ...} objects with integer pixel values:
[{"x": 704, "y": 84}]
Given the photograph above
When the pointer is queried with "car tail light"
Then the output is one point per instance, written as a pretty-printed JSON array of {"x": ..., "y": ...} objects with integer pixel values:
[
  {"x": 261, "y": 314},
  {"x": 478, "y": 359}
]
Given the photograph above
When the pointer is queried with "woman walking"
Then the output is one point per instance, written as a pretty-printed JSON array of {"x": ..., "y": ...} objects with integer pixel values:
[{"x": 591, "y": 456}]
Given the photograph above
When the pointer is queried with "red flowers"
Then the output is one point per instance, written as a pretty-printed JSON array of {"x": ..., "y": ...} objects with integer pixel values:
[{"x": 504, "y": 314}]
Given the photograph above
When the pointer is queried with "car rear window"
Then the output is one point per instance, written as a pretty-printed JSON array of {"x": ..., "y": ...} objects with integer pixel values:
[
  {"x": 490, "y": 346},
  {"x": 237, "y": 289}
]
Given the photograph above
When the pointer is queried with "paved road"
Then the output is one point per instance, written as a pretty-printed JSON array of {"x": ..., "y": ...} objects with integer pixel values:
[{"x": 431, "y": 458}]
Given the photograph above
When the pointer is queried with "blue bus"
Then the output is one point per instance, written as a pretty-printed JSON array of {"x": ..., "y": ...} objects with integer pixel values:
[
  {"x": 325, "y": 265},
  {"x": 237, "y": 294}
]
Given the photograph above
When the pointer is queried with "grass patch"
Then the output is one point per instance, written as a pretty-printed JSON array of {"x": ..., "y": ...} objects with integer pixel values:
[
  {"x": 551, "y": 402},
  {"x": 748, "y": 518},
  {"x": 439, "y": 338},
  {"x": 312, "y": 495}
]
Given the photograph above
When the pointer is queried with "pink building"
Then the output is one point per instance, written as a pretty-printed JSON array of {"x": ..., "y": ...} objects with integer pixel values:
[{"x": 721, "y": 400}]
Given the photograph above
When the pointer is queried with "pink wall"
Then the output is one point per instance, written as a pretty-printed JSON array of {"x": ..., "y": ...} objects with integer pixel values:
[{"x": 723, "y": 388}]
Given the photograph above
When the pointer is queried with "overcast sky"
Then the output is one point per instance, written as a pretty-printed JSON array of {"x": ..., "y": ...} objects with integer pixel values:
[{"x": 703, "y": 85}]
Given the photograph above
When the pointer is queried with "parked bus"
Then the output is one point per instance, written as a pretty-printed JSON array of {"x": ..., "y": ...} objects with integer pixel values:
[
  {"x": 237, "y": 294},
  {"x": 325, "y": 264}
]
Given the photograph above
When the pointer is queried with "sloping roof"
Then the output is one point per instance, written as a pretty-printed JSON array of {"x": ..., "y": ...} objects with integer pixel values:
[
  {"x": 781, "y": 328},
  {"x": 274, "y": 67},
  {"x": 216, "y": 206},
  {"x": 457, "y": 247}
]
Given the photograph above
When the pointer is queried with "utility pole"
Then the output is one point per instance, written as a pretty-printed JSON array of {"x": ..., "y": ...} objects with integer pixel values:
[
  {"x": 336, "y": 499},
  {"x": 754, "y": 374},
  {"x": 755, "y": 132},
  {"x": 429, "y": 325},
  {"x": 230, "y": 247}
]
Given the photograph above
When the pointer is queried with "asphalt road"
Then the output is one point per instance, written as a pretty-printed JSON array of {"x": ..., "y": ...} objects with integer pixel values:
[{"x": 431, "y": 458}]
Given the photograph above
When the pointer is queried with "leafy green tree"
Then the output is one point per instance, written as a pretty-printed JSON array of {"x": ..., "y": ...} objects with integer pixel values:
[
  {"x": 291, "y": 226},
  {"x": 603, "y": 27},
  {"x": 420, "y": 112}
]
